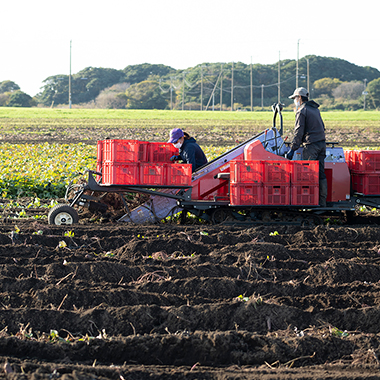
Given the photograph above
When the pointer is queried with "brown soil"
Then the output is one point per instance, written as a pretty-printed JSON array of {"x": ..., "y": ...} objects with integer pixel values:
[{"x": 166, "y": 301}]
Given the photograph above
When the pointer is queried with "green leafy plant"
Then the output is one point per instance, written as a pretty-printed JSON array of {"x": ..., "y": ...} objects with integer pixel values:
[{"x": 339, "y": 333}]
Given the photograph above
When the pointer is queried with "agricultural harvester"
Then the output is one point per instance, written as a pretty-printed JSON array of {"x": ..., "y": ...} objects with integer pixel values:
[{"x": 253, "y": 183}]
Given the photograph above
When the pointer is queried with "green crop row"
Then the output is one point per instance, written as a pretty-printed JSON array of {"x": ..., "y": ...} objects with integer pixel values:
[{"x": 44, "y": 170}]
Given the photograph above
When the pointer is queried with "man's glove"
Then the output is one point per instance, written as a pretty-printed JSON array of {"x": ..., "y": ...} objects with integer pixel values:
[
  {"x": 289, "y": 155},
  {"x": 174, "y": 158}
]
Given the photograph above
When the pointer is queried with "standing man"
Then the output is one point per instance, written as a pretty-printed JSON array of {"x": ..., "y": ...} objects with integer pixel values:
[{"x": 309, "y": 129}]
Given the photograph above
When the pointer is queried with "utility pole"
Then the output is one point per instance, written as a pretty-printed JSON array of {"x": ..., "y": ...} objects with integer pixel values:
[
  {"x": 308, "y": 76},
  {"x": 262, "y": 97},
  {"x": 279, "y": 79},
  {"x": 221, "y": 86},
  {"x": 298, "y": 53},
  {"x": 365, "y": 92},
  {"x": 70, "y": 79},
  {"x": 251, "y": 87},
  {"x": 183, "y": 91},
  {"x": 171, "y": 94},
  {"x": 201, "y": 88},
  {"x": 232, "y": 87}
]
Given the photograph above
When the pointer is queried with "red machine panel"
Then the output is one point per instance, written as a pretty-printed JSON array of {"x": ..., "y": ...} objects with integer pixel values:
[{"x": 338, "y": 181}]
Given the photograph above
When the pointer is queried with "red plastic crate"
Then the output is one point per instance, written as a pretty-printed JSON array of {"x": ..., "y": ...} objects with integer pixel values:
[
  {"x": 125, "y": 151},
  {"x": 246, "y": 194},
  {"x": 243, "y": 171},
  {"x": 99, "y": 156},
  {"x": 152, "y": 174},
  {"x": 306, "y": 195},
  {"x": 348, "y": 157},
  {"x": 178, "y": 174},
  {"x": 365, "y": 160},
  {"x": 368, "y": 183},
  {"x": 276, "y": 172},
  {"x": 161, "y": 151},
  {"x": 115, "y": 173},
  {"x": 304, "y": 172},
  {"x": 98, "y": 169},
  {"x": 276, "y": 195}
]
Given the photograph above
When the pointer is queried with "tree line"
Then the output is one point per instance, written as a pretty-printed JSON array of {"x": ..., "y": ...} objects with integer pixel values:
[{"x": 336, "y": 83}]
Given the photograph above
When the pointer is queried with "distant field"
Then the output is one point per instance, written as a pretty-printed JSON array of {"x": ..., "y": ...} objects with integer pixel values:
[{"x": 210, "y": 128}]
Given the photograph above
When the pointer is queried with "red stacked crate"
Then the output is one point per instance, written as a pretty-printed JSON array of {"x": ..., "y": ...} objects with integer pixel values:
[
  {"x": 276, "y": 182},
  {"x": 248, "y": 194},
  {"x": 152, "y": 173},
  {"x": 366, "y": 183},
  {"x": 99, "y": 159},
  {"x": 125, "y": 151},
  {"x": 365, "y": 161},
  {"x": 120, "y": 160},
  {"x": 160, "y": 170},
  {"x": 124, "y": 173},
  {"x": 365, "y": 171},
  {"x": 133, "y": 162},
  {"x": 304, "y": 179},
  {"x": 246, "y": 182},
  {"x": 246, "y": 171},
  {"x": 178, "y": 174},
  {"x": 161, "y": 151},
  {"x": 349, "y": 156}
]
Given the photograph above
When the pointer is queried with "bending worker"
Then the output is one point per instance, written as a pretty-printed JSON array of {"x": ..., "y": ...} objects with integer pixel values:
[
  {"x": 309, "y": 129},
  {"x": 189, "y": 151}
]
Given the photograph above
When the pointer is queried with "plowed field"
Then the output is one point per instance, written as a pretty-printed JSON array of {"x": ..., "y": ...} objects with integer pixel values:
[
  {"x": 106, "y": 300},
  {"x": 189, "y": 302}
]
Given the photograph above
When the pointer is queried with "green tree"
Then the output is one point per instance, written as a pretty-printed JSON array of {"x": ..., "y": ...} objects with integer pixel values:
[
  {"x": 146, "y": 95},
  {"x": 325, "y": 86},
  {"x": 20, "y": 99},
  {"x": 85, "y": 85},
  {"x": 139, "y": 73},
  {"x": 373, "y": 89},
  {"x": 55, "y": 90},
  {"x": 8, "y": 86}
]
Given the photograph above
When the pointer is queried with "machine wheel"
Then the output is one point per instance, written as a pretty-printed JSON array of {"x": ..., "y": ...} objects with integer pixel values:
[
  {"x": 63, "y": 215},
  {"x": 220, "y": 215}
]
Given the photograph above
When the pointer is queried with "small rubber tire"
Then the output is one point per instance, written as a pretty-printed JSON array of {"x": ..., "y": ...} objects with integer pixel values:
[{"x": 62, "y": 214}]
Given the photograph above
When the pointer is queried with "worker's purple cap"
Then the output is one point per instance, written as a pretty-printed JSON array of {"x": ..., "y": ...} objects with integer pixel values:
[{"x": 175, "y": 135}]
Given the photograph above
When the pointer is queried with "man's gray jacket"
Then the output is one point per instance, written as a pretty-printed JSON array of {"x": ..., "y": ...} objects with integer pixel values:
[{"x": 309, "y": 127}]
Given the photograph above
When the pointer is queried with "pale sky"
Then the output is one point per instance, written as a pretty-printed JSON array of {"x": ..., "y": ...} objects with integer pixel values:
[{"x": 35, "y": 35}]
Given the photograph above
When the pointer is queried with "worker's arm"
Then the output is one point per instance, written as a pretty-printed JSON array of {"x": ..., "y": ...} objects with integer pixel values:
[
  {"x": 299, "y": 131},
  {"x": 188, "y": 156}
]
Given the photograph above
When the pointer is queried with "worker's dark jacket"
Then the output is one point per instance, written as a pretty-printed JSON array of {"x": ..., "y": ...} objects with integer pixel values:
[
  {"x": 309, "y": 127},
  {"x": 191, "y": 153}
]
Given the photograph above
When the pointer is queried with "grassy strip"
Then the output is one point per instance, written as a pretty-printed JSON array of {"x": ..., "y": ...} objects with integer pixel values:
[{"x": 48, "y": 113}]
